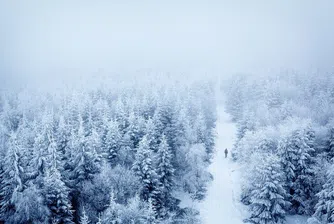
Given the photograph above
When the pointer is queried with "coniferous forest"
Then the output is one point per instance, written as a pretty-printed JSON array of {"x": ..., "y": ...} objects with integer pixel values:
[
  {"x": 109, "y": 155},
  {"x": 166, "y": 112},
  {"x": 285, "y": 143}
]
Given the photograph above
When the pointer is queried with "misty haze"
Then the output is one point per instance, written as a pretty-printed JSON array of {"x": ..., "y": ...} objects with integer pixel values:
[{"x": 147, "y": 112}]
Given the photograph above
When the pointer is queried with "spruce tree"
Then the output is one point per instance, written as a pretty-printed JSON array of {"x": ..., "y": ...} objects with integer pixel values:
[
  {"x": 152, "y": 134},
  {"x": 324, "y": 209},
  {"x": 289, "y": 157},
  {"x": 200, "y": 127},
  {"x": 113, "y": 141},
  {"x": 11, "y": 181},
  {"x": 303, "y": 184},
  {"x": 87, "y": 161},
  {"x": 56, "y": 195},
  {"x": 165, "y": 172},
  {"x": 159, "y": 127},
  {"x": 268, "y": 196},
  {"x": 297, "y": 159},
  {"x": 62, "y": 135},
  {"x": 144, "y": 169},
  {"x": 181, "y": 132},
  {"x": 134, "y": 129},
  {"x": 41, "y": 144}
]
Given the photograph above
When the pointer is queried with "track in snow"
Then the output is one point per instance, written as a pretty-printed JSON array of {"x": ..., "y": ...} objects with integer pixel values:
[{"x": 221, "y": 206}]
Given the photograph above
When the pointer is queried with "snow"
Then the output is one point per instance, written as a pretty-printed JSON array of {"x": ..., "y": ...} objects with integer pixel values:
[
  {"x": 296, "y": 219},
  {"x": 222, "y": 202}
]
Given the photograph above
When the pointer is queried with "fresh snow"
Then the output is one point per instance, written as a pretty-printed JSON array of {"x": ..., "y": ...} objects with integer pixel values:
[
  {"x": 222, "y": 204},
  {"x": 296, "y": 219}
]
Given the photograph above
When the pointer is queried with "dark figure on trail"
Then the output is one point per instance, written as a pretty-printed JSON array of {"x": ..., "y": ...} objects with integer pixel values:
[{"x": 226, "y": 151}]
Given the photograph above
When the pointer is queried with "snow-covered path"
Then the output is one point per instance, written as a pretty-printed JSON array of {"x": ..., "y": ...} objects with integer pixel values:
[{"x": 221, "y": 205}]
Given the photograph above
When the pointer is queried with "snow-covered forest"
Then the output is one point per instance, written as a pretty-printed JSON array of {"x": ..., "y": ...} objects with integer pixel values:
[
  {"x": 113, "y": 155},
  {"x": 166, "y": 112},
  {"x": 285, "y": 144}
]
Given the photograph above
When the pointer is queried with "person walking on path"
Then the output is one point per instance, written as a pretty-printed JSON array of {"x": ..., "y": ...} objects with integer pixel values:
[{"x": 226, "y": 152}]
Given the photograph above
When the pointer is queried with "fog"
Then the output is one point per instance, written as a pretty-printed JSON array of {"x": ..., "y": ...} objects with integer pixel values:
[{"x": 44, "y": 39}]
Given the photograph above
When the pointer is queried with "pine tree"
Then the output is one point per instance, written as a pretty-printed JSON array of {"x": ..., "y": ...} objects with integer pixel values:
[
  {"x": 62, "y": 139},
  {"x": 200, "y": 127},
  {"x": 113, "y": 141},
  {"x": 152, "y": 134},
  {"x": 245, "y": 124},
  {"x": 11, "y": 181},
  {"x": 62, "y": 135},
  {"x": 40, "y": 148},
  {"x": 159, "y": 127},
  {"x": 57, "y": 197},
  {"x": 93, "y": 142},
  {"x": 165, "y": 172},
  {"x": 53, "y": 159},
  {"x": 134, "y": 129},
  {"x": 179, "y": 131},
  {"x": 324, "y": 209},
  {"x": 87, "y": 161},
  {"x": 289, "y": 157},
  {"x": 303, "y": 184},
  {"x": 56, "y": 193},
  {"x": 268, "y": 196},
  {"x": 144, "y": 169},
  {"x": 298, "y": 165},
  {"x": 164, "y": 114},
  {"x": 127, "y": 151}
]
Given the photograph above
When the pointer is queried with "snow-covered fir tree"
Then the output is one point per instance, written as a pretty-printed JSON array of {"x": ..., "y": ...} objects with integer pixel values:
[
  {"x": 152, "y": 134},
  {"x": 299, "y": 172},
  {"x": 112, "y": 141},
  {"x": 144, "y": 169},
  {"x": 11, "y": 181},
  {"x": 268, "y": 197},
  {"x": 324, "y": 209},
  {"x": 62, "y": 135},
  {"x": 56, "y": 195},
  {"x": 87, "y": 161},
  {"x": 304, "y": 173},
  {"x": 165, "y": 174}
]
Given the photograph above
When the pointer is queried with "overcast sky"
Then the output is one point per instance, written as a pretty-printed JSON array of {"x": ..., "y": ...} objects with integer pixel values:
[{"x": 53, "y": 37}]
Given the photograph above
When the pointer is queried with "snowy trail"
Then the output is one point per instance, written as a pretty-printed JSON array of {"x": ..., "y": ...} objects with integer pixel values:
[{"x": 221, "y": 205}]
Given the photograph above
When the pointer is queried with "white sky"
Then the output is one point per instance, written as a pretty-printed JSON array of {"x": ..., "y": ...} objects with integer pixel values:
[{"x": 52, "y": 37}]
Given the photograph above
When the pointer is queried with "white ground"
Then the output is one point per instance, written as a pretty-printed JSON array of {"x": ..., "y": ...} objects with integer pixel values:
[{"x": 222, "y": 204}]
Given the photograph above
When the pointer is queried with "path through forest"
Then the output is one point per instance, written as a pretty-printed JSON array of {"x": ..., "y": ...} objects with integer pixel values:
[{"x": 221, "y": 205}]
